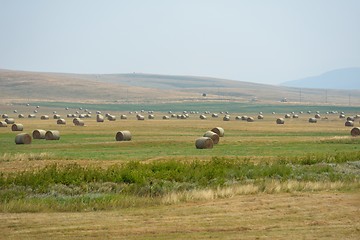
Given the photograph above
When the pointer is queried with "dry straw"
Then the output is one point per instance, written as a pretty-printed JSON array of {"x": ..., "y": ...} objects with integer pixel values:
[
  {"x": 23, "y": 138},
  {"x": 123, "y": 136},
  {"x": 17, "y": 127},
  {"x": 10, "y": 121},
  {"x": 204, "y": 143},
  {"x": 213, "y": 136},
  {"x": 52, "y": 135},
  {"x": 61, "y": 121},
  {"x": 355, "y": 131},
  {"x": 39, "y": 134},
  {"x": 280, "y": 121},
  {"x": 219, "y": 131}
]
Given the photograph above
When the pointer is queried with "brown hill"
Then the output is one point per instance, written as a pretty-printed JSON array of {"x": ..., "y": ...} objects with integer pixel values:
[{"x": 135, "y": 88}]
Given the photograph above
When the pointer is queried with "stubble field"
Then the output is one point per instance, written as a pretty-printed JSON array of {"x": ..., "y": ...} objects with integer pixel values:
[{"x": 262, "y": 179}]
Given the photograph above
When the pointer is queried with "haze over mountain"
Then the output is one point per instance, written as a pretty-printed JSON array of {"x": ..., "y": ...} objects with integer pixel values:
[{"x": 345, "y": 78}]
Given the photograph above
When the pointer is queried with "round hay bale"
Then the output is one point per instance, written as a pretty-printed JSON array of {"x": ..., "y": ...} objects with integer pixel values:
[
  {"x": 21, "y": 116},
  {"x": 238, "y": 118},
  {"x": 3, "y": 124},
  {"x": 317, "y": 116},
  {"x": 123, "y": 116},
  {"x": 75, "y": 120},
  {"x": 5, "y": 115},
  {"x": 31, "y": 116},
  {"x": 39, "y": 134},
  {"x": 79, "y": 122},
  {"x": 295, "y": 116},
  {"x": 10, "y": 121},
  {"x": 219, "y": 131},
  {"x": 61, "y": 121},
  {"x": 82, "y": 116},
  {"x": 56, "y": 116},
  {"x": 88, "y": 115},
  {"x": 226, "y": 118},
  {"x": 349, "y": 124},
  {"x": 287, "y": 116},
  {"x": 35, "y": 111},
  {"x": 244, "y": 118},
  {"x": 355, "y": 131},
  {"x": 351, "y": 118},
  {"x": 280, "y": 121},
  {"x": 99, "y": 118},
  {"x": 165, "y": 117},
  {"x": 204, "y": 143},
  {"x": 52, "y": 135},
  {"x": 151, "y": 116},
  {"x": 111, "y": 118},
  {"x": 260, "y": 116},
  {"x": 123, "y": 136},
  {"x": 312, "y": 120},
  {"x": 214, "y": 115},
  {"x": 250, "y": 119},
  {"x": 17, "y": 127},
  {"x": 213, "y": 136},
  {"x": 140, "y": 117},
  {"x": 23, "y": 138},
  {"x": 44, "y": 117},
  {"x": 202, "y": 116}
]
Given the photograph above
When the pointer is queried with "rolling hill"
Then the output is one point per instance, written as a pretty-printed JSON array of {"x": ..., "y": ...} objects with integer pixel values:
[{"x": 20, "y": 86}]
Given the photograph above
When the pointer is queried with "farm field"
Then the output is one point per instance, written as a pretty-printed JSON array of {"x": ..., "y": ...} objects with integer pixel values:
[{"x": 262, "y": 180}]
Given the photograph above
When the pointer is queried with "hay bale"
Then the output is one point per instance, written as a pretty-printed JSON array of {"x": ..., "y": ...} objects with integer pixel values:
[
  {"x": 351, "y": 118},
  {"x": 287, "y": 116},
  {"x": 151, "y": 116},
  {"x": 312, "y": 120},
  {"x": 31, "y": 116},
  {"x": 23, "y": 138},
  {"x": 202, "y": 116},
  {"x": 3, "y": 124},
  {"x": 5, "y": 115},
  {"x": 250, "y": 119},
  {"x": 82, "y": 116},
  {"x": 165, "y": 117},
  {"x": 52, "y": 135},
  {"x": 75, "y": 120},
  {"x": 238, "y": 118},
  {"x": 355, "y": 131},
  {"x": 17, "y": 127},
  {"x": 280, "y": 121},
  {"x": 140, "y": 117},
  {"x": 295, "y": 116},
  {"x": 61, "y": 121},
  {"x": 111, "y": 117},
  {"x": 219, "y": 131},
  {"x": 99, "y": 118},
  {"x": 214, "y": 115},
  {"x": 10, "y": 121},
  {"x": 79, "y": 122},
  {"x": 39, "y": 134},
  {"x": 349, "y": 124},
  {"x": 213, "y": 136},
  {"x": 317, "y": 116},
  {"x": 123, "y": 116},
  {"x": 21, "y": 116},
  {"x": 244, "y": 118},
  {"x": 226, "y": 118},
  {"x": 123, "y": 136},
  {"x": 44, "y": 117},
  {"x": 260, "y": 116},
  {"x": 56, "y": 116},
  {"x": 204, "y": 143}
]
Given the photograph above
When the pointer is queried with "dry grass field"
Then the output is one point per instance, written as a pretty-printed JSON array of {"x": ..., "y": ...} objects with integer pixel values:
[{"x": 324, "y": 203}]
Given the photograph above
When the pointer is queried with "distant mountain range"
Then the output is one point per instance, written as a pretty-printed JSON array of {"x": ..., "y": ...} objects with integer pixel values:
[{"x": 345, "y": 78}]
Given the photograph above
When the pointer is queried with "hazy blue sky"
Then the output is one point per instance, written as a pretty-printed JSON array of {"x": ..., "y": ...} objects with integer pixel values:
[{"x": 267, "y": 41}]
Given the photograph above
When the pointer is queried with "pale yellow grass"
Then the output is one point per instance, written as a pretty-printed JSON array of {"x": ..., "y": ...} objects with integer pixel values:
[{"x": 322, "y": 215}]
